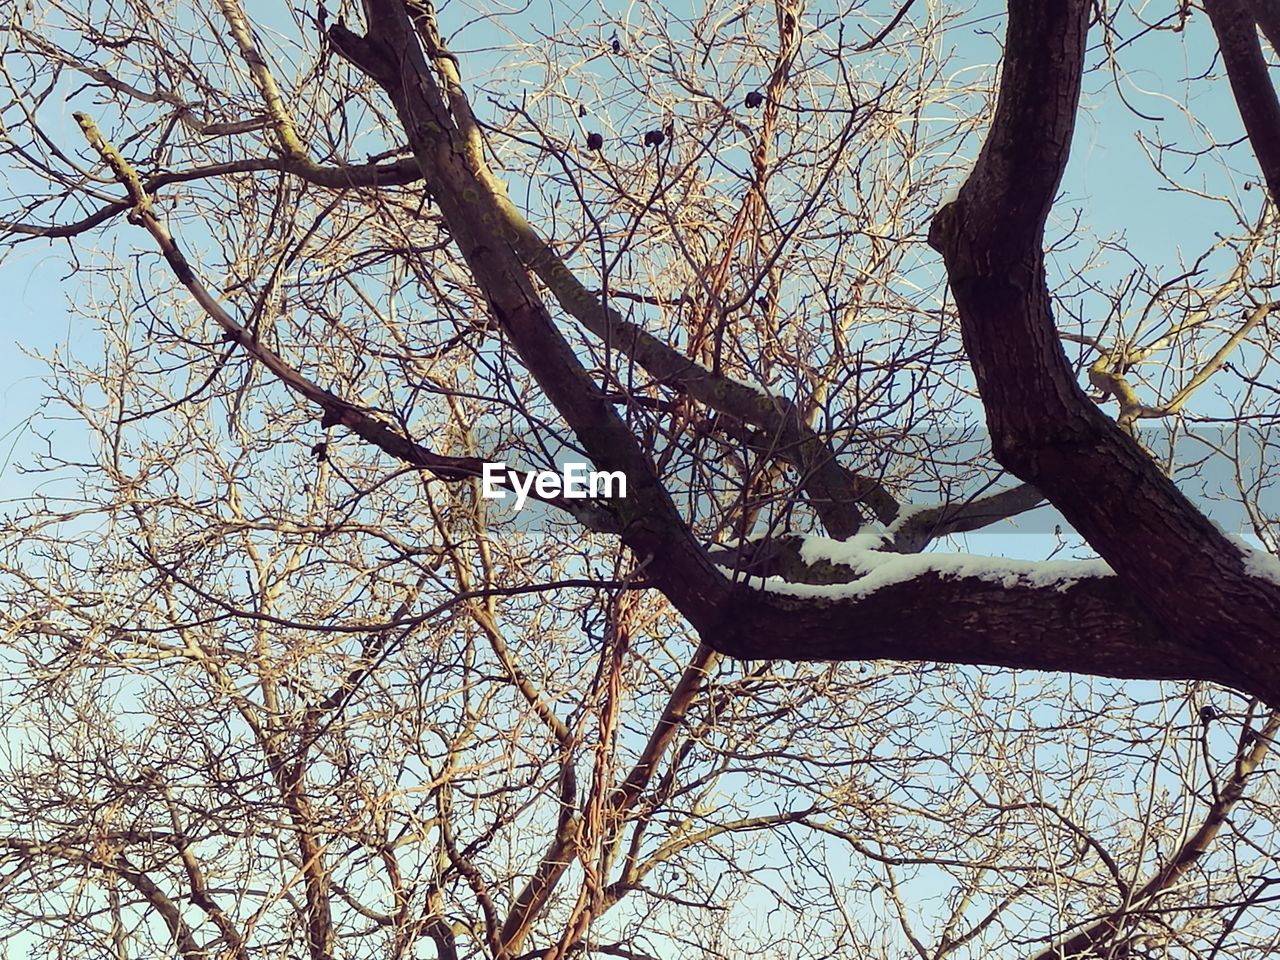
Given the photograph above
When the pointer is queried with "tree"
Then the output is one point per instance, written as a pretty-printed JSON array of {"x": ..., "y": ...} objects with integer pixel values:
[{"x": 285, "y": 683}]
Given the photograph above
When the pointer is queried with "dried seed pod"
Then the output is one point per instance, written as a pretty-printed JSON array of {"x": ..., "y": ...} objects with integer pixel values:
[
  {"x": 754, "y": 99},
  {"x": 654, "y": 138},
  {"x": 594, "y": 141}
]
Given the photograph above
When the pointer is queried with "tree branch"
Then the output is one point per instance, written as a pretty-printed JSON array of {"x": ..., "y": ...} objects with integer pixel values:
[
  {"x": 1267, "y": 15},
  {"x": 651, "y": 525},
  {"x": 396, "y": 173},
  {"x": 1193, "y": 583},
  {"x": 1102, "y": 932},
  {"x": 913, "y": 533},
  {"x": 1255, "y": 97},
  {"x": 830, "y": 487}
]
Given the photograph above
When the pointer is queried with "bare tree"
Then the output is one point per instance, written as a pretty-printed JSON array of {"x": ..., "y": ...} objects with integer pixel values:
[{"x": 283, "y": 682}]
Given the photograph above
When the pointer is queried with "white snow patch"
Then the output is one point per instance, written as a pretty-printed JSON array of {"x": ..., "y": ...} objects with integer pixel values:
[
  {"x": 762, "y": 389},
  {"x": 876, "y": 569},
  {"x": 699, "y": 366},
  {"x": 905, "y": 513},
  {"x": 962, "y": 177},
  {"x": 851, "y": 551},
  {"x": 1259, "y": 563}
]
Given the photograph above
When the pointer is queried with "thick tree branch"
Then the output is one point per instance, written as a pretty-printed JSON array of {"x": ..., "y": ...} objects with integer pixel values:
[
  {"x": 183, "y": 938},
  {"x": 1267, "y": 15},
  {"x": 651, "y": 525},
  {"x": 1006, "y": 617},
  {"x": 1044, "y": 427},
  {"x": 286, "y": 133},
  {"x": 1196, "y": 586},
  {"x": 913, "y": 533},
  {"x": 1237, "y": 32}
]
